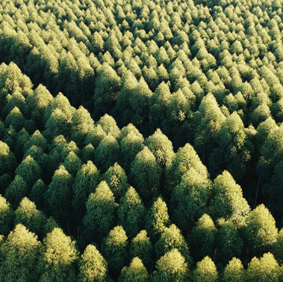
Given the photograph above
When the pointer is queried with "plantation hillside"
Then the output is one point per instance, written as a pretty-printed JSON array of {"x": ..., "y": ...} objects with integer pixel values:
[{"x": 141, "y": 140}]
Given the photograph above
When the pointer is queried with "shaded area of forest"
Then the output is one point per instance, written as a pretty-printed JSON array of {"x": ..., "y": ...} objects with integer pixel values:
[{"x": 161, "y": 160}]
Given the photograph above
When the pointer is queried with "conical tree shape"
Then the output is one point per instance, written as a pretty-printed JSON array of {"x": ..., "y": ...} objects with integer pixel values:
[
  {"x": 189, "y": 198},
  {"x": 86, "y": 181},
  {"x": 228, "y": 200},
  {"x": 260, "y": 230},
  {"x": 29, "y": 170},
  {"x": 141, "y": 247},
  {"x": 264, "y": 269},
  {"x": 131, "y": 212},
  {"x": 37, "y": 192},
  {"x": 33, "y": 219},
  {"x": 234, "y": 271},
  {"x": 59, "y": 195},
  {"x": 58, "y": 257},
  {"x": 93, "y": 267},
  {"x": 114, "y": 249},
  {"x": 171, "y": 267},
  {"x": 157, "y": 219},
  {"x": 202, "y": 238},
  {"x": 171, "y": 238},
  {"x": 16, "y": 191},
  {"x": 100, "y": 214},
  {"x": 116, "y": 179},
  {"x": 136, "y": 272},
  {"x": 6, "y": 216},
  {"x": 20, "y": 254},
  {"x": 145, "y": 173},
  {"x": 205, "y": 271},
  {"x": 161, "y": 147}
]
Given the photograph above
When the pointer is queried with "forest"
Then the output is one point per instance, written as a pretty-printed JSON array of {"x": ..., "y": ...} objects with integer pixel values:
[{"x": 141, "y": 140}]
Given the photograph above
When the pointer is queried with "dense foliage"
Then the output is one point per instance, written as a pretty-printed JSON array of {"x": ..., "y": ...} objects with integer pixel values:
[{"x": 141, "y": 140}]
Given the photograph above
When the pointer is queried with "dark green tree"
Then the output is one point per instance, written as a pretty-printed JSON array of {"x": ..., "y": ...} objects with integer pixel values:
[
  {"x": 171, "y": 238},
  {"x": 100, "y": 211},
  {"x": 136, "y": 272},
  {"x": 59, "y": 195},
  {"x": 228, "y": 200},
  {"x": 189, "y": 198},
  {"x": 117, "y": 180},
  {"x": 131, "y": 213},
  {"x": 228, "y": 243},
  {"x": 16, "y": 191},
  {"x": 114, "y": 249},
  {"x": 202, "y": 238},
  {"x": 32, "y": 218},
  {"x": 141, "y": 247},
  {"x": 260, "y": 230},
  {"x": 107, "y": 152},
  {"x": 157, "y": 219},
  {"x": 6, "y": 216},
  {"x": 29, "y": 170},
  {"x": 145, "y": 173}
]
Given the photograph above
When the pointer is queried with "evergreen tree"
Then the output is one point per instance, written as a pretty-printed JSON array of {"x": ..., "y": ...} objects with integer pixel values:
[
  {"x": 260, "y": 231},
  {"x": 202, "y": 238},
  {"x": 141, "y": 247},
  {"x": 228, "y": 200},
  {"x": 264, "y": 269},
  {"x": 136, "y": 272},
  {"x": 20, "y": 255},
  {"x": 28, "y": 215},
  {"x": 29, "y": 170},
  {"x": 171, "y": 238},
  {"x": 87, "y": 179},
  {"x": 107, "y": 152},
  {"x": 58, "y": 256},
  {"x": 116, "y": 179},
  {"x": 145, "y": 173},
  {"x": 131, "y": 212},
  {"x": 157, "y": 219},
  {"x": 171, "y": 267},
  {"x": 234, "y": 271},
  {"x": 16, "y": 191},
  {"x": 114, "y": 249},
  {"x": 6, "y": 216},
  {"x": 59, "y": 194},
  {"x": 205, "y": 271},
  {"x": 93, "y": 267},
  {"x": 100, "y": 211},
  {"x": 189, "y": 198}
]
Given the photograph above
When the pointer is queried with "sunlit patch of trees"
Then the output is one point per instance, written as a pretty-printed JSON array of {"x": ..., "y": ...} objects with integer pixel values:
[{"x": 141, "y": 140}]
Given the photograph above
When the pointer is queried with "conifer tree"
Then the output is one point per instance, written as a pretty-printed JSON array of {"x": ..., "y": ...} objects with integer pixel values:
[
  {"x": 131, "y": 212},
  {"x": 93, "y": 267},
  {"x": 114, "y": 249}
]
